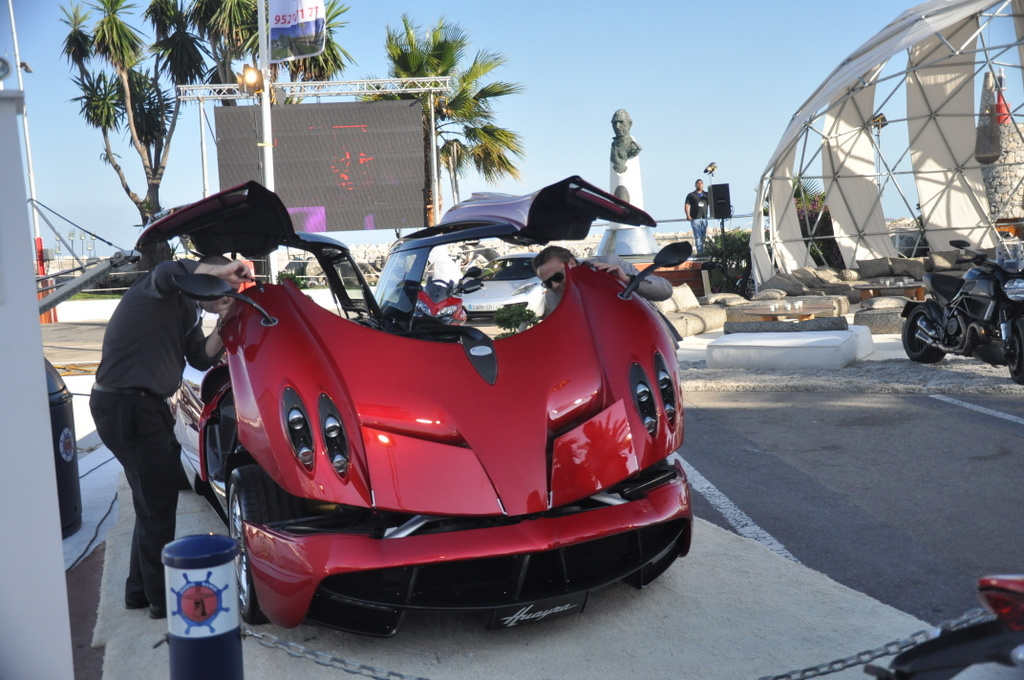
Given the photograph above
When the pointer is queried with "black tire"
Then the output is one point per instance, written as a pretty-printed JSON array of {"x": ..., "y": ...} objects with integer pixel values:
[
  {"x": 1014, "y": 351},
  {"x": 254, "y": 497},
  {"x": 916, "y": 349}
]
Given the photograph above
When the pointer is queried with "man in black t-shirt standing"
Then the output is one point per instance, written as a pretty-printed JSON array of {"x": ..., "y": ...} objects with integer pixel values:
[
  {"x": 697, "y": 213},
  {"x": 152, "y": 333}
]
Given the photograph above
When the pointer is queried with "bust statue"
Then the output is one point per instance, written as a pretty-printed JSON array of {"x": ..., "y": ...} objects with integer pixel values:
[{"x": 624, "y": 146}]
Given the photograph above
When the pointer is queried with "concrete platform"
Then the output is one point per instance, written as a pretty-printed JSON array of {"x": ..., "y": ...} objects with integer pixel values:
[
  {"x": 804, "y": 349},
  {"x": 810, "y": 349}
]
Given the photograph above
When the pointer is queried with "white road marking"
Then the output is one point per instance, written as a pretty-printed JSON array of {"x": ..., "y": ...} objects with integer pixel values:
[
  {"x": 979, "y": 409},
  {"x": 736, "y": 518}
]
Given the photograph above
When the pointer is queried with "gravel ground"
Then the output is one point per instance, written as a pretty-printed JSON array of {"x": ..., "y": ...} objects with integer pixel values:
[{"x": 952, "y": 375}]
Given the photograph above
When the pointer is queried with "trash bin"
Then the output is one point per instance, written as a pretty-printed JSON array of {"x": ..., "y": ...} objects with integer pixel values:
[{"x": 65, "y": 452}]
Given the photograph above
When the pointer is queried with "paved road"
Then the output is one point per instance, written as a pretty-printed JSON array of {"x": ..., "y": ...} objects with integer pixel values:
[{"x": 908, "y": 498}]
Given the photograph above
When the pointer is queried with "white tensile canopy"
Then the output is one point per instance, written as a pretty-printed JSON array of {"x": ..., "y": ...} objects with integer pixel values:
[{"x": 881, "y": 139}]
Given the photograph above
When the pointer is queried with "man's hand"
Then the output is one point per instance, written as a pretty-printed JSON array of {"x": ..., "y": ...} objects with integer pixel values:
[
  {"x": 220, "y": 306},
  {"x": 613, "y": 269},
  {"x": 235, "y": 273}
]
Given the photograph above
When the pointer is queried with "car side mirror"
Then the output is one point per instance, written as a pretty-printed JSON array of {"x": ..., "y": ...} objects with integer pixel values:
[
  {"x": 672, "y": 255},
  {"x": 207, "y": 287},
  {"x": 469, "y": 285}
]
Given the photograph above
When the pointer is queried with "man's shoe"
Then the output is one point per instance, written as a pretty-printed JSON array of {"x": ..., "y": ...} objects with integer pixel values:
[
  {"x": 157, "y": 612},
  {"x": 136, "y": 601}
]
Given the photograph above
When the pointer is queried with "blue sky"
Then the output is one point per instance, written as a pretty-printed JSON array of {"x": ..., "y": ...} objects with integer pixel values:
[{"x": 703, "y": 82}]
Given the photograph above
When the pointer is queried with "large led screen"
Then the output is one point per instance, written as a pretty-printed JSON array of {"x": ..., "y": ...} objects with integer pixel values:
[{"x": 338, "y": 166}]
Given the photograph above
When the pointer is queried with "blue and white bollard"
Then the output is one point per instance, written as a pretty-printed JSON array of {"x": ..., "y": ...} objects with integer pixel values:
[{"x": 203, "y": 625}]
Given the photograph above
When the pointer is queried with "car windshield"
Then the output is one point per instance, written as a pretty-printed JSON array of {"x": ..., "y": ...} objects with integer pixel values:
[
  {"x": 509, "y": 269},
  {"x": 400, "y": 282}
]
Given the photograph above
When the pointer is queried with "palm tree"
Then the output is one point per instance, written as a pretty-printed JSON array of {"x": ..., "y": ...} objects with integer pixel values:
[
  {"x": 124, "y": 95},
  {"x": 229, "y": 28},
  {"x": 464, "y": 129}
]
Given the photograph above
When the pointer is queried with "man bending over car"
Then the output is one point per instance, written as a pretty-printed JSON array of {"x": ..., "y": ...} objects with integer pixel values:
[
  {"x": 152, "y": 333},
  {"x": 551, "y": 262}
]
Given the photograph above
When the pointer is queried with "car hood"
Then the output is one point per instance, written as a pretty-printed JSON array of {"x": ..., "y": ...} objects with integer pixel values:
[
  {"x": 499, "y": 289},
  {"x": 431, "y": 435},
  {"x": 248, "y": 219}
]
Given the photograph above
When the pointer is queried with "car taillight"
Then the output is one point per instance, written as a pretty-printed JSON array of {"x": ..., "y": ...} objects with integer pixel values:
[
  {"x": 1004, "y": 597},
  {"x": 297, "y": 425},
  {"x": 335, "y": 441},
  {"x": 643, "y": 398}
]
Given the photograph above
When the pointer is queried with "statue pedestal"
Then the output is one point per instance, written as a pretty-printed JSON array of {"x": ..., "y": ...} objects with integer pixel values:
[
  {"x": 622, "y": 239},
  {"x": 619, "y": 239}
]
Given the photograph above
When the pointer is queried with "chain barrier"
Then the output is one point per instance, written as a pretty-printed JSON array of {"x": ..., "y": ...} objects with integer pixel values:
[
  {"x": 969, "y": 618},
  {"x": 323, "y": 659},
  {"x": 893, "y": 648}
]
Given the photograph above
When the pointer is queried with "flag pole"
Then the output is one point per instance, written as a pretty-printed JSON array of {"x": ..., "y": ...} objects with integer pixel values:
[{"x": 267, "y": 145}]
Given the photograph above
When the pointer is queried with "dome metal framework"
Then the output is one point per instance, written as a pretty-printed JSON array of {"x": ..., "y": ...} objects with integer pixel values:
[{"x": 903, "y": 128}]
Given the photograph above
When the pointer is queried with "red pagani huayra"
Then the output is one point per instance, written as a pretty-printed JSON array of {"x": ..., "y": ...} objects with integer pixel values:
[{"x": 371, "y": 461}]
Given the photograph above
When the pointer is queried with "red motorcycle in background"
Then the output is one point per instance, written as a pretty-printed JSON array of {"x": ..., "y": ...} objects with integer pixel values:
[
  {"x": 441, "y": 299},
  {"x": 999, "y": 640}
]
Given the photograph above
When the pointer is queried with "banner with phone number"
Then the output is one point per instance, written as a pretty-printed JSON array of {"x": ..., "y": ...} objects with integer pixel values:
[{"x": 298, "y": 29}]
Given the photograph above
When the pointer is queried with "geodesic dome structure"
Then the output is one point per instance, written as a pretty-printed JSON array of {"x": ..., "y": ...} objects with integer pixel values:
[{"x": 914, "y": 124}]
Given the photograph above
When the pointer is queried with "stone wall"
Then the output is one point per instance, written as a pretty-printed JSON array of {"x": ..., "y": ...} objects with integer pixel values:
[{"x": 1003, "y": 179}]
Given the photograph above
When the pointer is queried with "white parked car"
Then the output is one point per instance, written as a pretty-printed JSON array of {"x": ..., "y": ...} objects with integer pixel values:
[{"x": 508, "y": 280}]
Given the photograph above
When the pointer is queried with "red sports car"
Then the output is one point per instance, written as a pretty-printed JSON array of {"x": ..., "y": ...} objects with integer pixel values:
[{"x": 372, "y": 461}]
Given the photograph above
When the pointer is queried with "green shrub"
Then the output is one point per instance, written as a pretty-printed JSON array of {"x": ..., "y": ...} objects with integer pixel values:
[{"x": 512, "y": 317}]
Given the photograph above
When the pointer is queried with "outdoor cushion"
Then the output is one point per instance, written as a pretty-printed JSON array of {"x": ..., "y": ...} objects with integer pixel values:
[
  {"x": 827, "y": 275},
  {"x": 684, "y": 297},
  {"x": 832, "y": 323},
  {"x": 786, "y": 283},
  {"x": 721, "y": 298},
  {"x": 768, "y": 294},
  {"x": 806, "y": 276},
  {"x": 885, "y": 302},
  {"x": 697, "y": 320},
  {"x": 870, "y": 269},
  {"x": 880, "y": 320},
  {"x": 849, "y": 275},
  {"x": 908, "y": 266},
  {"x": 944, "y": 260}
]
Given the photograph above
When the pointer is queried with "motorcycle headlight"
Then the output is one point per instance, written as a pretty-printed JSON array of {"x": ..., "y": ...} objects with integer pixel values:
[
  {"x": 448, "y": 310},
  {"x": 1015, "y": 289},
  {"x": 421, "y": 308},
  {"x": 525, "y": 288}
]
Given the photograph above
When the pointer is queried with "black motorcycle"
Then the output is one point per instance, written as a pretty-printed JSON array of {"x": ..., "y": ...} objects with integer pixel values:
[{"x": 977, "y": 316}]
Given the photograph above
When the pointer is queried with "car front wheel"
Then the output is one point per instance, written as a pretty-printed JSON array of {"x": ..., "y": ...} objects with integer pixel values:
[{"x": 242, "y": 491}]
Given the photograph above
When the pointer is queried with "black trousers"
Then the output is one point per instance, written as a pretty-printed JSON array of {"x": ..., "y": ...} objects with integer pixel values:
[{"x": 139, "y": 431}]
